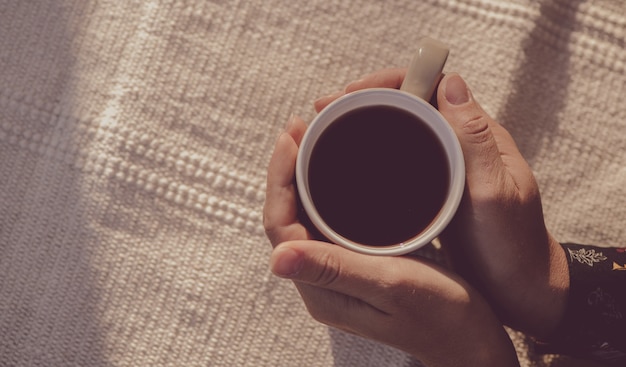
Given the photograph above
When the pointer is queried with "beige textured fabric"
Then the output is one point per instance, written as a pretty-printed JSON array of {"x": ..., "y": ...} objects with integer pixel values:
[{"x": 134, "y": 137}]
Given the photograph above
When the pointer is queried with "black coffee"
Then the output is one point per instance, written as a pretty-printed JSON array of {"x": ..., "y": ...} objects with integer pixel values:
[{"x": 378, "y": 176}]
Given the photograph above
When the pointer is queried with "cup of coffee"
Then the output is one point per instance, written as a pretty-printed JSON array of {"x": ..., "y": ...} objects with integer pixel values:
[{"x": 380, "y": 171}]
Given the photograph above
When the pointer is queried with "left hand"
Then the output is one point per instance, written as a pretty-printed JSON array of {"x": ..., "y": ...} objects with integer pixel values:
[{"x": 405, "y": 302}]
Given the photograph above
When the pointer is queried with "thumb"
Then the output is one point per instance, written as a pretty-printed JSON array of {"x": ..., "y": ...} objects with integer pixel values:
[
  {"x": 490, "y": 152},
  {"x": 328, "y": 266}
]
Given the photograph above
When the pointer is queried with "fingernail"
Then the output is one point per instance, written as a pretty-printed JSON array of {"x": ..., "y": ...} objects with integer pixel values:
[
  {"x": 286, "y": 263},
  {"x": 456, "y": 90}
]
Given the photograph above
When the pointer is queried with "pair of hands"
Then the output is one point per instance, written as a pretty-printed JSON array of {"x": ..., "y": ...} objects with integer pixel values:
[{"x": 506, "y": 268}]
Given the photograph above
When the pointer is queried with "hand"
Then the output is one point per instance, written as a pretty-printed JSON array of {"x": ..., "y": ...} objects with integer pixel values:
[
  {"x": 404, "y": 302},
  {"x": 498, "y": 240}
]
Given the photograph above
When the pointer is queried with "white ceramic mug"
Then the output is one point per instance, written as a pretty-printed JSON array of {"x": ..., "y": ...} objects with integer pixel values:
[{"x": 421, "y": 80}]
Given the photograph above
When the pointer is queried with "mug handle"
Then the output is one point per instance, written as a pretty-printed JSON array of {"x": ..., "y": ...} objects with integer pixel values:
[{"x": 425, "y": 69}]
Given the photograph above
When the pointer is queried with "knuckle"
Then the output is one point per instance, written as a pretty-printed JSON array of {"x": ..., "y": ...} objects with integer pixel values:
[
  {"x": 317, "y": 313},
  {"x": 477, "y": 129},
  {"x": 328, "y": 311},
  {"x": 269, "y": 226},
  {"x": 529, "y": 192},
  {"x": 324, "y": 315},
  {"x": 268, "y": 223},
  {"x": 329, "y": 270},
  {"x": 398, "y": 292},
  {"x": 402, "y": 295}
]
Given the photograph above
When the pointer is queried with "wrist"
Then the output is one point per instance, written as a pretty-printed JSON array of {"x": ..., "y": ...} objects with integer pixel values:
[
  {"x": 540, "y": 292},
  {"x": 592, "y": 325},
  {"x": 557, "y": 291}
]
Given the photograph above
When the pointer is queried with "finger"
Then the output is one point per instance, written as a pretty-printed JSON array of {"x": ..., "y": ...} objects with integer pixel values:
[
  {"x": 323, "y": 265},
  {"x": 296, "y": 127},
  {"x": 328, "y": 304},
  {"x": 491, "y": 155},
  {"x": 381, "y": 298},
  {"x": 341, "y": 311},
  {"x": 324, "y": 101},
  {"x": 385, "y": 78},
  {"x": 280, "y": 210},
  {"x": 372, "y": 279}
]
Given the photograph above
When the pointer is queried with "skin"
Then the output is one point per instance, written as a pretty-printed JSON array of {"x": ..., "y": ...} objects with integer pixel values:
[
  {"x": 498, "y": 241},
  {"x": 506, "y": 266}
]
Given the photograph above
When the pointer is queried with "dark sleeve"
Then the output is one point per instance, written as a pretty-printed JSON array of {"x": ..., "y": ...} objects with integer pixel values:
[{"x": 594, "y": 326}]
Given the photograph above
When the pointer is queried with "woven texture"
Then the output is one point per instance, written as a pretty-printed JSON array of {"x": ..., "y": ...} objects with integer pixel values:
[{"x": 134, "y": 138}]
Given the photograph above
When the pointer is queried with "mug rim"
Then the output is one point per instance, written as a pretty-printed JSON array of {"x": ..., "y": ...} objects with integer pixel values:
[{"x": 417, "y": 107}]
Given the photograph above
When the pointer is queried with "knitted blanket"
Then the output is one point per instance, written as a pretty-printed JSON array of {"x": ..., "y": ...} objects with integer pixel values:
[{"x": 135, "y": 135}]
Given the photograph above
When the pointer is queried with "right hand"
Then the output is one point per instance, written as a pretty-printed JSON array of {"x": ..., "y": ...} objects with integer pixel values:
[{"x": 498, "y": 239}]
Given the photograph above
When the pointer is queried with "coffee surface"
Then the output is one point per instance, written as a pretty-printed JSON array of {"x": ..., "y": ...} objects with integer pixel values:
[{"x": 378, "y": 176}]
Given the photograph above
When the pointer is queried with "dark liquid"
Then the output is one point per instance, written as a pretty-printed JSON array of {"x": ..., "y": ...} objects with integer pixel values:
[{"x": 378, "y": 176}]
